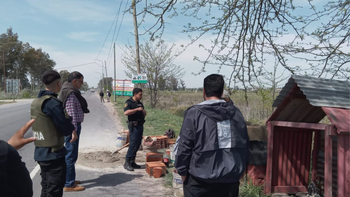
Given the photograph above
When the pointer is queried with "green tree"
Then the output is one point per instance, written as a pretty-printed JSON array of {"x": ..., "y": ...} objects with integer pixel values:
[
  {"x": 157, "y": 61},
  {"x": 64, "y": 75}
]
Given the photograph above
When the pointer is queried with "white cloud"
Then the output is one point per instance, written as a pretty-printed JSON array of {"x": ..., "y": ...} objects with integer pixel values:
[{"x": 82, "y": 36}]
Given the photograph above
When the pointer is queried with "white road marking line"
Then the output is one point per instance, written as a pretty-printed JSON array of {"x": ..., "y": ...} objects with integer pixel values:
[{"x": 36, "y": 170}]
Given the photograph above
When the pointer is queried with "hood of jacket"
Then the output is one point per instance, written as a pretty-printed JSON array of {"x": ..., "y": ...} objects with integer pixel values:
[
  {"x": 217, "y": 110},
  {"x": 46, "y": 92}
]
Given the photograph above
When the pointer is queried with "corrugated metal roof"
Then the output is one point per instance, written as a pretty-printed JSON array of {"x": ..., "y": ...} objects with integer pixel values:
[{"x": 320, "y": 92}]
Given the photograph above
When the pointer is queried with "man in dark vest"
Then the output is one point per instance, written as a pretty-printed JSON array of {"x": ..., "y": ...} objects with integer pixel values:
[
  {"x": 136, "y": 117},
  {"x": 76, "y": 106},
  {"x": 50, "y": 126}
]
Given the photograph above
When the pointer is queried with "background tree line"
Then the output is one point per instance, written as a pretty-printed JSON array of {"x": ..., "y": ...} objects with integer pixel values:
[{"x": 21, "y": 61}]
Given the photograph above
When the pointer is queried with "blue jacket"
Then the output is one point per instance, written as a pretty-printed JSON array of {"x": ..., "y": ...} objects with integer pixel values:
[
  {"x": 54, "y": 109},
  {"x": 213, "y": 144}
]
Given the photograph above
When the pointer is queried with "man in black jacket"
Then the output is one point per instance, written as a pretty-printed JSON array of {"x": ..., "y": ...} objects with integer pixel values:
[
  {"x": 14, "y": 176},
  {"x": 51, "y": 125},
  {"x": 213, "y": 145}
]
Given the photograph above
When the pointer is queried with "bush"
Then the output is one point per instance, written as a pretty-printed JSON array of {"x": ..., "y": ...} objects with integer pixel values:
[{"x": 179, "y": 111}]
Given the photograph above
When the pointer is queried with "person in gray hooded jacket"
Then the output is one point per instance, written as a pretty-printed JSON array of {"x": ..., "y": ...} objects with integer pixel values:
[{"x": 213, "y": 145}]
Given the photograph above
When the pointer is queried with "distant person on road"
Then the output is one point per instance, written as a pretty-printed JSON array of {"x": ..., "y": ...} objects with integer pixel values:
[
  {"x": 213, "y": 145},
  {"x": 108, "y": 96},
  {"x": 76, "y": 106},
  {"x": 101, "y": 96},
  {"x": 14, "y": 176},
  {"x": 136, "y": 113},
  {"x": 51, "y": 125}
]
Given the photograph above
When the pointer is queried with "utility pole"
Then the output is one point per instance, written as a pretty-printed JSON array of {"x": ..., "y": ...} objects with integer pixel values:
[
  {"x": 115, "y": 77},
  {"x": 136, "y": 37},
  {"x": 106, "y": 74},
  {"x": 3, "y": 61}
]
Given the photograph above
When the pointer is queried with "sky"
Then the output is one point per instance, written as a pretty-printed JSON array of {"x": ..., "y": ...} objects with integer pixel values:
[
  {"x": 79, "y": 34},
  {"x": 74, "y": 34}
]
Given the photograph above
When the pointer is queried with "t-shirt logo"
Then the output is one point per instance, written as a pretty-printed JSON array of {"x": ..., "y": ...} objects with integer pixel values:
[{"x": 224, "y": 134}]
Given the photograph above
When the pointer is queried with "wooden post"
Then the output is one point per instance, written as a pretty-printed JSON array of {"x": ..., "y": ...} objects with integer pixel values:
[
  {"x": 268, "y": 183},
  {"x": 314, "y": 155},
  {"x": 341, "y": 165},
  {"x": 328, "y": 161}
]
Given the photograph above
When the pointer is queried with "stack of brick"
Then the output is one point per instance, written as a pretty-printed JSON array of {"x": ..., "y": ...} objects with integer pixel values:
[
  {"x": 155, "y": 168},
  {"x": 150, "y": 157},
  {"x": 162, "y": 142}
]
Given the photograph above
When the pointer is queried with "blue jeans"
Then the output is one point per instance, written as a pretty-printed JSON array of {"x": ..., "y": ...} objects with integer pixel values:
[
  {"x": 135, "y": 141},
  {"x": 71, "y": 157}
]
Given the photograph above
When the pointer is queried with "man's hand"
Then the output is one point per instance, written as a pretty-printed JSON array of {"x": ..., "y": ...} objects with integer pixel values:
[
  {"x": 140, "y": 109},
  {"x": 74, "y": 136},
  {"x": 144, "y": 112},
  {"x": 183, "y": 178},
  {"x": 17, "y": 141}
]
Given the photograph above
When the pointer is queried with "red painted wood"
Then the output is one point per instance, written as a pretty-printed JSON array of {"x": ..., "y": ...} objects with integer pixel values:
[
  {"x": 328, "y": 162},
  {"x": 308, "y": 157},
  {"x": 302, "y": 158},
  {"x": 289, "y": 158},
  {"x": 275, "y": 170},
  {"x": 280, "y": 158},
  {"x": 298, "y": 167},
  {"x": 338, "y": 117},
  {"x": 301, "y": 125},
  {"x": 269, "y": 166},
  {"x": 316, "y": 148},
  {"x": 347, "y": 166},
  {"x": 341, "y": 165},
  {"x": 285, "y": 159},
  {"x": 290, "y": 189},
  {"x": 294, "y": 159}
]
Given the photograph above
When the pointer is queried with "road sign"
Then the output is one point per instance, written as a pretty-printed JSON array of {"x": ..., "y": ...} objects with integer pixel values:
[
  {"x": 123, "y": 87},
  {"x": 13, "y": 86},
  {"x": 139, "y": 78}
]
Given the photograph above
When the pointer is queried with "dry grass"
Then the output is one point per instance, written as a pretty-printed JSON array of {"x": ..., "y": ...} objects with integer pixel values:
[{"x": 257, "y": 111}]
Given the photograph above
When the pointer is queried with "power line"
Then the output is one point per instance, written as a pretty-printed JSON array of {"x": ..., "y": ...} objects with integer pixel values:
[
  {"x": 116, "y": 15},
  {"x": 77, "y": 65},
  {"x": 113, "y": 40}
]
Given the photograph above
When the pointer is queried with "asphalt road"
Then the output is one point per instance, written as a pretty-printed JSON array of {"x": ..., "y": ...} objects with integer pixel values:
[{"x": 99, "y": 131}]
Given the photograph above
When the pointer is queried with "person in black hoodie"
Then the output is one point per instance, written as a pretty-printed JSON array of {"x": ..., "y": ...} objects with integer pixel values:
[
  {"x": 212, "y": 149},
  {"x": 14, "y": 176},
  {"x": 51, "y": 124}
]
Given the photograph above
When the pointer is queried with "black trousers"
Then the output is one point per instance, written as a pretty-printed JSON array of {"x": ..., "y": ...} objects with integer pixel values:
[
  {"x": 135, "y": 140},
  {"x": 197, "y": 188},
  {"x": 53, "y": 177}
]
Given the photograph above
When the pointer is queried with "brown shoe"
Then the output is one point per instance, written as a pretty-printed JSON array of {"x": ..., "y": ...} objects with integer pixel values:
[{"x": 75, "y": 188}]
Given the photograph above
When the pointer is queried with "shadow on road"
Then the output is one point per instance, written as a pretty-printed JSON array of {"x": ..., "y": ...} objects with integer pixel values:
[{"x": 109, "y": 180}]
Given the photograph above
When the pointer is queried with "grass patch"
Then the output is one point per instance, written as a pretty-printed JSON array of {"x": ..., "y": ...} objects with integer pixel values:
[
  {"x": 157, "y": 121},
  {"x": 248, "y": 189}
]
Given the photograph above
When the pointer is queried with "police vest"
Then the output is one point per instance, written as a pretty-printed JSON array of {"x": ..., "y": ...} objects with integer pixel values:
[{"x": 44, "y": 129}]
